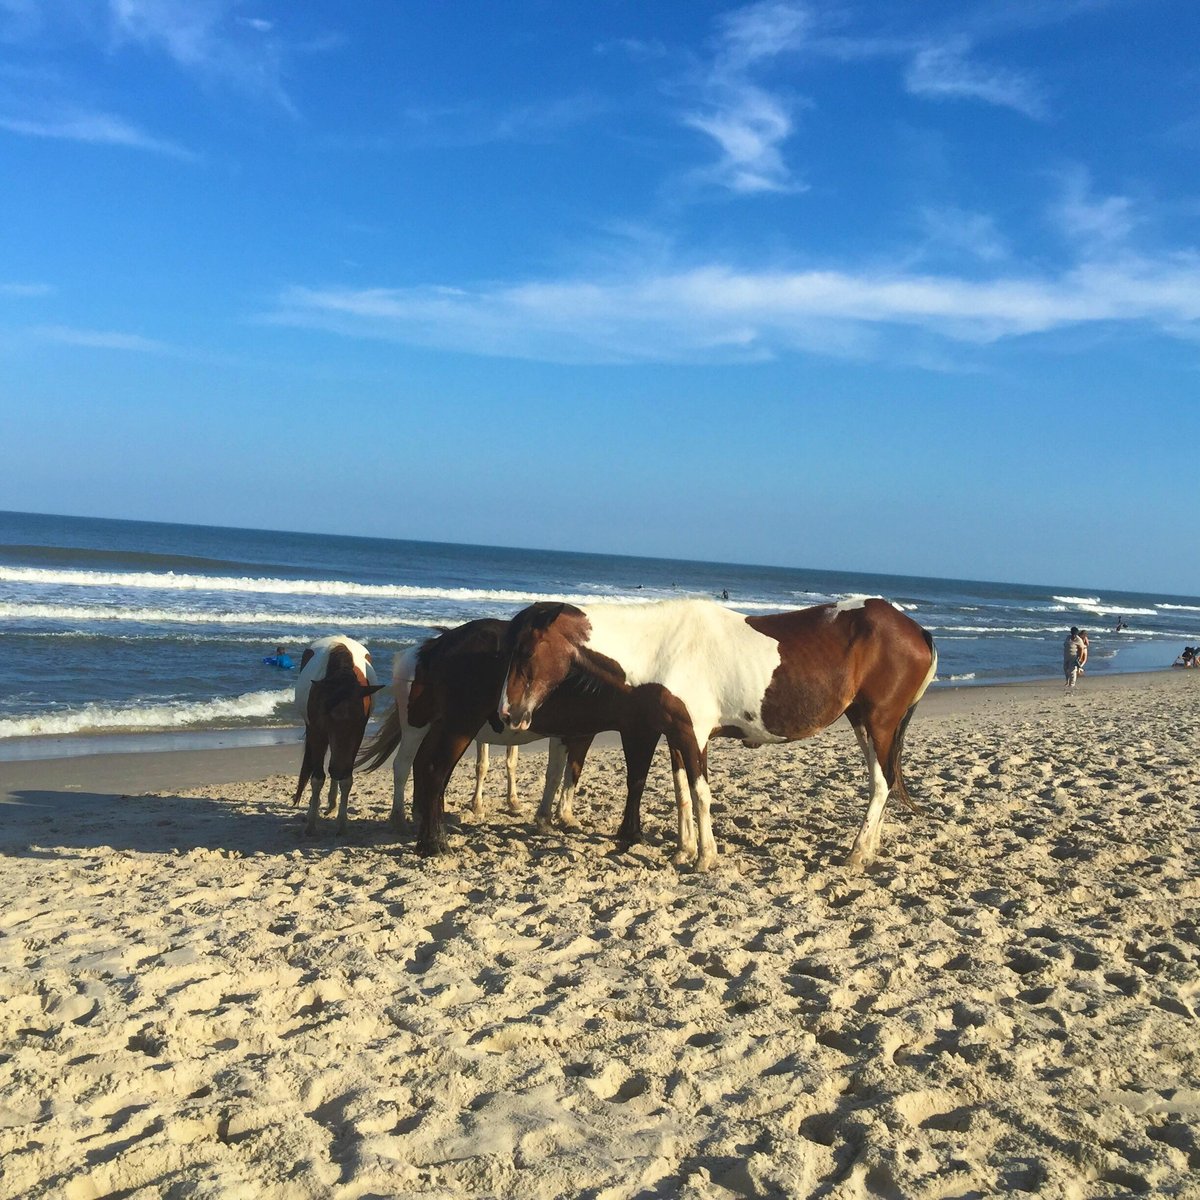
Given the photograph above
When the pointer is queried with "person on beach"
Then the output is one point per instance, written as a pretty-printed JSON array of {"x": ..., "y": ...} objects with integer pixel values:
[
  {"x": 1186, "y": 659},
  {"x": 1075, "y": 652}
]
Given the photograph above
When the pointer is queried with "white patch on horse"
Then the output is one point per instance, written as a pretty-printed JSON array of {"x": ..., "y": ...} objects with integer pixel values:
[
  {"x": 849, "y": 604},
  {"x": 314, "y": 670},
  {"x": 704, "y": 654}
]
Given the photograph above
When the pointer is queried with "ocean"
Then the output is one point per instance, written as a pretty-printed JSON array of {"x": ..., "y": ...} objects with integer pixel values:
[{"x": 119, "y": 627}]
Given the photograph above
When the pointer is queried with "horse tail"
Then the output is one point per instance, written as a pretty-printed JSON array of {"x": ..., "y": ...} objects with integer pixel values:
[
  {"x": 306, "y": 770},
  {"x": 895, "y": 775},
  {"x": 383, "y": 745}
]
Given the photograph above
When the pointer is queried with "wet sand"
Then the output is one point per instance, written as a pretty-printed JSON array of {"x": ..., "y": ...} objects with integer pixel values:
[{"x": 197, "y": 1000}]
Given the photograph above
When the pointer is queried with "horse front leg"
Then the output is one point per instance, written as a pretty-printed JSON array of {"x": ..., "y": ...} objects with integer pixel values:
[
  {"x": 437, "y": 757},
  {"x": 510, "y": 778},
  {"x": 556, "y": 761},
  {"x": 576, "y": 750},
  {"x": 685, "y": 836},
  {"x": 639, "y": 752}
]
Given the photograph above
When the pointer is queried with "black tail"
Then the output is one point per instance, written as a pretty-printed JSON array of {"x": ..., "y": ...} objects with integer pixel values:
[
  {"x": 306, "y": 770},
  {"x": 383, "y": 745}
]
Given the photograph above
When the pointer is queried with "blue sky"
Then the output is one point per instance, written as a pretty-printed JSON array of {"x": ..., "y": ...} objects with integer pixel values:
[{"x": 906, "y": 288}]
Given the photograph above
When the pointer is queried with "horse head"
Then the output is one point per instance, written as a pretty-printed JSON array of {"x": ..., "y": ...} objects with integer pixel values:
[{"x": 541, "y": 643}]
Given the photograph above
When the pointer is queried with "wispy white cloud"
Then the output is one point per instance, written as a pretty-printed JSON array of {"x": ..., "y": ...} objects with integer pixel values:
[
  {"x": 98, "y": 339},
  {"x": 749, "y": 122},
  {"x": 25, "y": 290},
  {"x": 207, "y": 39},
  {"x": 1091, "y": 220},
  {"x": 718, "y": 313},
  {"x": 95, "y": 127},
  {"x": 749, "y": 125},
  {"x": 945, "y": 71},
  {"x": 471, "y": 125},
  {"x": 953, "y": 229}
]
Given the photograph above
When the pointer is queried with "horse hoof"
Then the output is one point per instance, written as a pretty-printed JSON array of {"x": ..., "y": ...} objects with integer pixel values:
[
  {"x": 705, "y": 863},
  {"x": 856, "y": 860},
  {"x": 569, "y": 824},
  {"x": 681, "y": 858},
  {"x": 433, "y": 848},
  {"x": 310, "y": 831}
]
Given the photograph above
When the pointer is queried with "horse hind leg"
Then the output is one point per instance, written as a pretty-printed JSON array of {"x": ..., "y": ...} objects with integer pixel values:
[
  {"x": 343, "y": 803},
  {"x": 866, "y": 844}
]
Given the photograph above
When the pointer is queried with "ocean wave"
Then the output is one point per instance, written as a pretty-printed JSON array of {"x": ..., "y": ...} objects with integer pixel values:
[
  {"x": 1180, "y": 607},
  {"x": 961, "y": 678},
  {"x": 165, "y": 616},
  {"x": 141, "y": 714},
  {"x": 170, "y": 581},
  {"x": 1095, "y": 606}
]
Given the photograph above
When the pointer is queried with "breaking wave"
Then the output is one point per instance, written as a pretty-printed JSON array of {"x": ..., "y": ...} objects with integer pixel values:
[{"x": 144, "y": 715}]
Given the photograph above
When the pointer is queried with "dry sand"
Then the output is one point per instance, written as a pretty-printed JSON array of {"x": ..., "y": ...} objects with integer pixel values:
[{"x": 196, "y": 1001}]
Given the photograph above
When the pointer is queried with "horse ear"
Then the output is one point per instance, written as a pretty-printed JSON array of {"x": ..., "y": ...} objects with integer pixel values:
[{"x": 547, "y": 615}]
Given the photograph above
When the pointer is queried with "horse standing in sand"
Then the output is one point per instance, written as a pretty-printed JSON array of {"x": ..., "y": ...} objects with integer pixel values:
[
  {"x": 424, "y": 677},
  {"x": 710, "y": 671},
  {"x": 333, "y": 694},
  {"x": 446, "y": 691}
]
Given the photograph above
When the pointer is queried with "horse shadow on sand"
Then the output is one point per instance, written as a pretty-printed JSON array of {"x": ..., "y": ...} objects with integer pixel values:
[{"x": 41, "y": 823}]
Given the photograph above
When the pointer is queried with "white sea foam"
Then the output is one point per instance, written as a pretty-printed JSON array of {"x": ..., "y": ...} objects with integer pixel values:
[
  {"x": 166, "y": 616},
  {"x": 961, "y": 678},
  {"x": 142, "y": 715},
  {"x": 1095, "y": 606},
  {"x": 172, "y": 582},
  {"x": 1180, "y": 607}
]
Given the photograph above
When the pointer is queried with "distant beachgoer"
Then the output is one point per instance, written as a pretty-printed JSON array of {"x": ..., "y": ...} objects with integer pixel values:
[
  {"x": 1121, "y": 624},
  {"x": 724, "y": 593},
  {"x": 1187, "y": 658},
  {"x": 1075, "y": 652}
]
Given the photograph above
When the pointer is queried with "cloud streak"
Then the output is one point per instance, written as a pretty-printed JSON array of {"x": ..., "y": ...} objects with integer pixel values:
[
  {"x": 95, "y": 128},
  {"x": 720, "y": 314},
  {"x": 945, "y": 72},
  {"x": 98, "y": 339}
]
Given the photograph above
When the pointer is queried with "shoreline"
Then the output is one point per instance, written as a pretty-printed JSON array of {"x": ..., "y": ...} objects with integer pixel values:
[{"x": 128, "y": 764}]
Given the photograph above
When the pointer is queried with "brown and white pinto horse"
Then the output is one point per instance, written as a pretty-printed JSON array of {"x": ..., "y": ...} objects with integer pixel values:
[
  {"x": 710, "y": 671},
  {"x": 451, "y": 687},
  {"x": 333, "y": 693}
]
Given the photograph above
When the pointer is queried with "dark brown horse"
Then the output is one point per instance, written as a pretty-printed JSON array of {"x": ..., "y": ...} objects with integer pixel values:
[
  {"x": 455, "y": 683},
  {"x": 707, "y": 671}
]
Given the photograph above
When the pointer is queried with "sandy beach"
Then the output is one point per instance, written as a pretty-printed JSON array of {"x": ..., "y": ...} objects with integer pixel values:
[{"x": 195, "y": 1000}]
